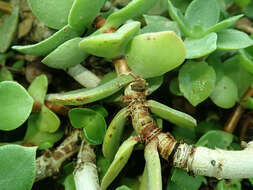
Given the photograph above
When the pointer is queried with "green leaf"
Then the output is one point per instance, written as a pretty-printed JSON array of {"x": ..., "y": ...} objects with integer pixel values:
[
  {"x": 225, "y": 93},
  {"x": 231, "y": 39},
  {"x": 246, "y": 58},
  {"x": 187, "y": 135},
  {"x": 154, "y": 83},
  {"x": 233, "y": 184},
  {"x": 100, "y": 109},
  {"x": 120, "y": 160},
  {"x": 52, "y": 13},
  {"x": 172, "y": 186},
  {"x": 102, "y": 164},
  {"x": 174, "y": 87},
  {"x": 88, "y": 95},
  {"x": 205, "y": 126},
  {"x": 174, "y": 116},
  {"x": 8, "y": 26},
  {"x": 146, "y": 51},
  {"x": 110, "y": 45},
  {"x": 215, "y": 139},
  {"x": 203, "y": 13},
  {"x": 38, "y": 138},
  {"x": 114, "y": 133},
  {"x": 38, "y": 88},
  {"x": 182, "y": 179},
  {"x": 16, "y": 105},
  {"x": 66, "y": 55},
  {"x": 18, "y": 167},
  {"x": 93, "y": 124},
  {"x": 5, "y": 75},
  {"x": 83, "y": 12},
  {"x": 153, "y": 166},
  {"x": 196, "y": 81},
  {"x": 199, "y": 47},
  {"x": 248, "y": 103},
  {"x": 46, "y": 46}
]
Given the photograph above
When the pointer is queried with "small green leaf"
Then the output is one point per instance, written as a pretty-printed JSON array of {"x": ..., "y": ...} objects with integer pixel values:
[
  {"x": 16, "y": 105},
  {"x": 196, "y": 81},
  {"x": 38, "y": 88},
  {"x": 5, "y": 75},
  {"x": 123, "y": 187},
  {"x": 110, "y": 45},
  {"x": 172, "y": 115},
  {"x": 46, "y": 46},
  {"x": 246, "y": 58},
  {"x": 52, "y": 13},
  {"x": 120, "y": 160},
  {"x": 205, "y": 126},
  {"x": 154, "y": 83},
  {"x": 204, "y": 13},
  {"x": 66, "y": 55},
  {"x": 248, "y": 103},
  {"x": 230, "y": 39},
  {"x": 18, "y": 167},
  {"x": 153, "y": 166},
  {"x": 187, "y": 135},
  {"x": 38, "y": 138},
  {"x": 8, "y": 26},
  {"x": 114, "y": 133},
  {"x": 225, "y": 93},
  {"x": 100, "y": 109},
  {"x": 146, "y": 51},
  {"x": 88, "y": 95},
  {"x": 93, "y": 124},
  {"x": 215, "y": 139},
  {"x": 234, "y": 184},
  {"x": 174, "y": 87},
  {"x": 199, "y": 47},
  {"x": 83, "y": 12}
]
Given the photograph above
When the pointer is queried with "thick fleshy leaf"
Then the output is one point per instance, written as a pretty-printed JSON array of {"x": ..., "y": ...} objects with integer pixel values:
[
  {"x": 110, "y": 45},
  {"x": 205, "y": 126},
  {"x": 114, "y": 133},
  {"x": 83, "y": 12},
  {"x": 157, "y": 23},
  {"x": 38, "y": 138},
  {"x": 120, "y": 160},
  {"x": 230, "y": 39},
  {"x": 87, "y": 95},
  {"x": 102, "y": 164},
  {"x": 248, "y": 103},
  {"x": 46, "y": 46},
  {"x": 146, "y": 51},
  {"x": 215, "y": 139},
  {"x": 174, "y": 116},
  {"x": 100, "y": 109},
  {"x": 18, "y": 167},
  {"x": 66, "y": 55},
  {"x": 225, "y": 93},
  {"x": 38, "y": 88},
  {"x": 174, "y": 87},
  {"x": 199, "y": 47},
  {"x": 153, "y": 166},
  {"x": 154, "y": 83},
  {"x": 92, "y": 123},
  {"x": 52, "y": 13},
  {"x": 196, "y": 81},
  {"x": 5, "y": 75},
  {"x": 16, "y": 105},
  {"x": 144, "y": 180},
  {"x": 8, "y": 26},
  {"x": 123, "y": 187},
  {"x": 203, "y": 13},
  {"x": 246, "y": 58}
]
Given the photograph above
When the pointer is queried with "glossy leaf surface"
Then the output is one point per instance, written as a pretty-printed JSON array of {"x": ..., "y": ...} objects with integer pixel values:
[
  {"x": 174, "y": 116},
  {"x": 17, "y": 167},
  {"x": 148, "y": 50},
  {"x": 16, "y": 105},
  {"x": 38, "y": 88},
  {"x": 196, "y": 81},
  {"x": 87, "y": 95},
  {"x": 92, "y": 123},
  {"x": 246, "y": 58}
]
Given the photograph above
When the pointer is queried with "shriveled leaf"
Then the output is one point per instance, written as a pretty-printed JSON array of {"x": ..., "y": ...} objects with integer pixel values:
[
  {"x": 66, "y": 55},
  {"x": 38, "y": 88},
  {"x": 92, "y": 123},
  {"x": 52, "y": 13},
  {"x": 114, "y": 133},
  {"x": 18, "y": 167},
  {"x": 196, "y": 81},
  {"x": 199, "y": 47},
  {"x": 87, "y": 95},
  {"x": 174, "y": 116},
  {"x": 146, "y": 51},
  {"x": 230, "y": 39},
  {"x": 120, "y": 160},
  {"x": 46, "y": 46},
  {"x": 16, "y": 105}
]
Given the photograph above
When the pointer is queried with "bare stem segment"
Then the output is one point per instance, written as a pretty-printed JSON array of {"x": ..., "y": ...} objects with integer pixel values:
[{"x": 50, "y": 162}]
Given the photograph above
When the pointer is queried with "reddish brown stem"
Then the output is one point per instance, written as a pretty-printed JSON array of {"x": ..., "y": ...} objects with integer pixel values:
[
  {"x": 245, "y": 25},
  {"x": 57, "y": 108},
  {"x": 5, "y": 7},
  {"x": 245, "y": 125}
]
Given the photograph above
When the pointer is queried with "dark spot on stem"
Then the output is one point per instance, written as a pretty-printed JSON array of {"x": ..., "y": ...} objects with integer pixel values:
[{"x": 213, "y": 162}]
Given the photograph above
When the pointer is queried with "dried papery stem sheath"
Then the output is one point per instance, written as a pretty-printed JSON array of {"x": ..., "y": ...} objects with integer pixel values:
[
  {"x": 57, "y": 108},
  {"x": 121, "y": 67},
  {"x": 85, "y": 174},
  {"x": 50, "y": 162},
  {"x": 5, "y": 7}
]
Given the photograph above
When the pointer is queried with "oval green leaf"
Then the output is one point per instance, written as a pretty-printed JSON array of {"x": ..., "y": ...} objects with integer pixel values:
[
  {"x": 38, "y": 88},
  {"x": 93, "y": 124},
  {"x": 248, "y": 103},
  {"x": 16, "y": 105},
  {"x": 146, "y": 51},
  {"x": 18, "y": 167},
  {"x": 246, "y": 58}
]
